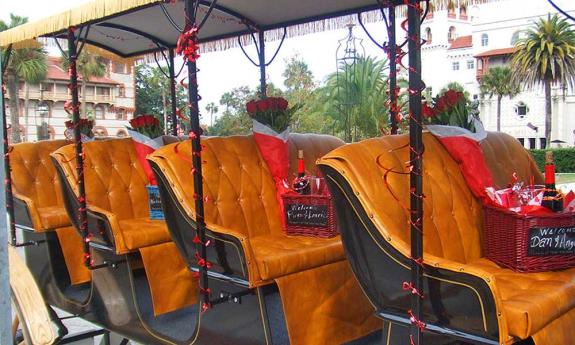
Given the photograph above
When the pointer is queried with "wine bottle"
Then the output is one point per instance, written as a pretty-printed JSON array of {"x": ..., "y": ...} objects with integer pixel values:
[
  {"x": 552, "y": 199},
  {"x": 301, "y": 182}
]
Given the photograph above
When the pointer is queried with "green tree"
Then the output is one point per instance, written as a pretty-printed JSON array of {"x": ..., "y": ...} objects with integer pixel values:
[
  {"x": 28, "y": 65},
  {"x": 355, "y": 97},
  {"x": 212, "y": 108},
  {"x": 546, "y": 55},
  {"x": 498, "y": 81},
  {"x": 88, "y": 66},
  {"x": 153, "y": 94}
]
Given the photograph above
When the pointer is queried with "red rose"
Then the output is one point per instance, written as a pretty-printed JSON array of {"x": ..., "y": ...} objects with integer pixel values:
[
  {"x": 426, "y": 110},
  {"x": 440, "y": 105},
  {"x": 69, "y": 124},
  {"x": 156, "y": 121},
  {"x": 149, "y": 120},
  {"x": 451, "y": 97},
  {"x": 461, "y": 96},
  {"x": 133, "y": 123},
  {"x": 139, "y": 121},
  {"x": 263, "y": 105},
  {"x": 252, "y": 107},
  {"x": 283, "y": 104}
]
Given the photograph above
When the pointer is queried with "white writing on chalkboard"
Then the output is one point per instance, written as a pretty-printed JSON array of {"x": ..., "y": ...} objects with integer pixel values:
[
  {"x": 312, "y": 215},
  {"x": 551, "y": 241}
]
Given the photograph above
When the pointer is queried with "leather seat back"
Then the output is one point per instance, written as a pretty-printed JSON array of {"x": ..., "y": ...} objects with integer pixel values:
[
  {"x": 34, "y": 175},
  {"x": 452, "y": 215},
  {"x": 240, "y": 190},
  {"x": 114, "y": 178},
  {"x": 314, "y": 146}
]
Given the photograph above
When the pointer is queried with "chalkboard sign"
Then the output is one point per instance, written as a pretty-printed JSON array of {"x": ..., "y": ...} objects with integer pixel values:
[
  {"x": 306, "y": 215},
  {"x": 551, "y": 241}
]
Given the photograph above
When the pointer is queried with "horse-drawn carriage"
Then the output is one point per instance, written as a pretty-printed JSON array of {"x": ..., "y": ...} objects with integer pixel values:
[{"x": 220, "y": 269}]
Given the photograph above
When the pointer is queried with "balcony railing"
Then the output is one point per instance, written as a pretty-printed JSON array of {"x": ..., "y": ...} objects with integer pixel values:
[{"x": 64, "y": 96}]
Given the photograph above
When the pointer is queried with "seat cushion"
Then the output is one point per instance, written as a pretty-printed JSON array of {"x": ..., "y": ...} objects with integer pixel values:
[
  {"x": 280, "y": 255},
  {"x": 531, "y": 300},
  {"x": 53, "y": 217},
  {"x": 143, "y": 232}
]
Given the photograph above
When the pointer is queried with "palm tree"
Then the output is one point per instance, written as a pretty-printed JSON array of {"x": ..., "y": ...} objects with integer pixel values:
[
  {"x": 546, "y": 55},
  {"x": 498, "y": 81},
  {"x": 28, "y": 65},
  {"x": 88, "y": 66},
  {"x": 212, "y": 108},
  {"x": 355, "y": 96}
]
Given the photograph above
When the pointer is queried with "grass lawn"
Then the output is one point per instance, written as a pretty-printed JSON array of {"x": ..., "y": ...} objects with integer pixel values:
[{"x": 565, "y": 178}]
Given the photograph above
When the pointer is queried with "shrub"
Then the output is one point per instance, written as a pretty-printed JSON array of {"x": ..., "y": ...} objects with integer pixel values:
[{"x": 564, "y": 159}]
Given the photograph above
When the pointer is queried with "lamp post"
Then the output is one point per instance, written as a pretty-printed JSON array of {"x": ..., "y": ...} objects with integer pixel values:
[
  {"x": 42, "y": 121},
  {"x": 349, "y": 50}
]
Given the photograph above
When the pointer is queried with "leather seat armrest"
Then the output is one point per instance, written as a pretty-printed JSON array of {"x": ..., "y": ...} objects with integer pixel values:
[
  {"x": 32, "y": 211},
  {"x": 100, "y": 219}
]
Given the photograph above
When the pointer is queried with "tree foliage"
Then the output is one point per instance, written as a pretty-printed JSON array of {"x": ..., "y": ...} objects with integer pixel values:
[
  {"x": 544, "y": 56},
  {"x": 498, "y": 81},
  {"x": 27, "y": 64},
  {"x": 153, "y": 95},
  {"x": 88, "y": 66}
]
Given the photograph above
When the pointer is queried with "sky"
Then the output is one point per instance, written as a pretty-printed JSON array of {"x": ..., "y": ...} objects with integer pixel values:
[{"x": 220, "y": 72}]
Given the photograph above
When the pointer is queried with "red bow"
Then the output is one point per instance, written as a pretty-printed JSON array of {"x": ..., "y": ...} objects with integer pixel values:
[{"x": 188, "y": 44}]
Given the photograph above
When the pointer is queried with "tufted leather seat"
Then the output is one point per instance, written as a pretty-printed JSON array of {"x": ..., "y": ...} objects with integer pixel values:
[
  {"x": 116, "y": 190},
  {"x": 526, "y": 303},
  {"x": 242, "y": 201},
  {"x": 35, "y": 183}
]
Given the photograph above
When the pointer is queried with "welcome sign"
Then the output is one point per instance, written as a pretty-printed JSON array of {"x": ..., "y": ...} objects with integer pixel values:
[{"x": 551, "y": 241}]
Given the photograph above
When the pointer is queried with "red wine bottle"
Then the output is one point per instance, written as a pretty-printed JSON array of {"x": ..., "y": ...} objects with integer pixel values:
[
  {"x": 552, "y": 199},
  {"x": 301, "y": 182}
]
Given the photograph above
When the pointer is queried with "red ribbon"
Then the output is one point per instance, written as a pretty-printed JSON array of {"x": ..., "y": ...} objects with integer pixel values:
[
  {"x": 188, "y": 44},
  {"x": 419, "y": 324},
  {"x": 409, "y": 287}
]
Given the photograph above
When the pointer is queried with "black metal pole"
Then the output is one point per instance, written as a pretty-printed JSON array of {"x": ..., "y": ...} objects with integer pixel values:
[
  {"x": 392, "y": 69},
  {"x": 262, "y": 63},
  {"x": 7, "y": 169},
  {"x": 173, "y": 93},
  {"x": 416, "y": 151},
  {"x": 193, "y": 99},
  {"x": 5, "y": 305},
  {"x": 82, "y": 214}
]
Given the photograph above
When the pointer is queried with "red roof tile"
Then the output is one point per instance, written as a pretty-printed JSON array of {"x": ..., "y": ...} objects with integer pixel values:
[
  {"x": 56, "y": 72},
  {"x": 462, "y": 42},
  {"x": 497, "y": 52}
]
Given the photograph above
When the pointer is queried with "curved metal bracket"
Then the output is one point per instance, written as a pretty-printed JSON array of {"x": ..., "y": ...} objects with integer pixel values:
[
  {"x": 156, "y": 40},
  {"x": 257, "y": 45},
  {"x": 561, "y": 10}
]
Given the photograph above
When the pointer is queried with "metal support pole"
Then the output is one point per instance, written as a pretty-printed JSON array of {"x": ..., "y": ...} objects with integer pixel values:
[
  {"x": 7, "y": 169},
  {"x": 262, "y": 63},
  {"x": 173, "y": 93},
  {"x": 82, "y": 214},
  {"x": 416, "y": 151},
  {"x": 193, "y": 99},
  {"x": 392, "y": 69},
  {"x": 5, "y": 305}
]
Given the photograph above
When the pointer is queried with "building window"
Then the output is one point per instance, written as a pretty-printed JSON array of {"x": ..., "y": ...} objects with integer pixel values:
[
  {"x": 451, "y": 9},
  {"x": 120, "y": 114},
  {"x": 451, "y": 35},
  {"x": 470, "y": 64},
  {"x": 99, "y": 112},
  {"x": 120, "y": 68},
  {"x": 122, "y": 91},
  {"x": 543, "y": 143},
  {"x": 455, "y": 66},
  {"x": 531, "y": 143},
  {"x": 463, "y": 13},
  {"x": 484, "y": 40},
  {"x": 521, "y": 109},
  {"x": 522, "y": 141},
  {"x": 428, "y": 36}
]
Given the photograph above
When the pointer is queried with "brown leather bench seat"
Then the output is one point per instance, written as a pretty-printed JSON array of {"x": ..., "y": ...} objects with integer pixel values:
[
  {"x": 242, "y": 201},
  {"x": 116, "y": 191},
  {"x": 538, "y": 305}
]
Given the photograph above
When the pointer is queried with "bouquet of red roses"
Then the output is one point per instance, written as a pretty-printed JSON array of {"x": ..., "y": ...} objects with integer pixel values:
[
  {"x": 272, "y": 112},
  {"x": 146, "y": 134},
  {"x": 85, "y": 128},
  {"x": 450, "y": 109},
  {"x": 147, "y": 125}
]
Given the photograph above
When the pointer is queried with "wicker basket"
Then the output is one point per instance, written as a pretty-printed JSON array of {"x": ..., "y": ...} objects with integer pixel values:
[
  {"x": 309, "y": 215},
  {"x": 529, "y": 243}
]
